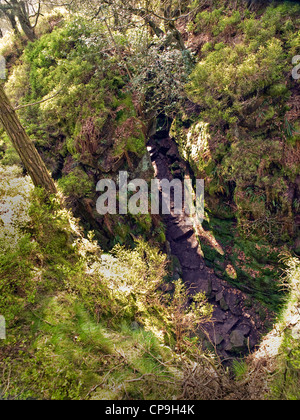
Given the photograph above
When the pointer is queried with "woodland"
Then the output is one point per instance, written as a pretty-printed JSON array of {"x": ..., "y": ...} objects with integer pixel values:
[{"x": 145, "y": 305}]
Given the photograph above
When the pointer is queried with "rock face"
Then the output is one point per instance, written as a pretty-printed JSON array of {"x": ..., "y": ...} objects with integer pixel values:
[{"x": 235, "y": 329}]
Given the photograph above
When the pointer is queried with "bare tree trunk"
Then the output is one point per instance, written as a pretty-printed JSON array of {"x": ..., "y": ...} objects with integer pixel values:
[
  {"x": 23, "y": 17},
  {"x": 27, "y": 29},
  {"x": 30, "y": 157},
  {"x": 13, "y": 10},
  {"x": 12, "y": 20}
]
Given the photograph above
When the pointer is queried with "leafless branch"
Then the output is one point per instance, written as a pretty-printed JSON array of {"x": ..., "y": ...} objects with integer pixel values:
[{"x": 38, "y": 102}]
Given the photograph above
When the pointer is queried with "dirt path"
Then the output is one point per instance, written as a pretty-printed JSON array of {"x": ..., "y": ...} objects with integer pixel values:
[{"x": 235, "y": 329}]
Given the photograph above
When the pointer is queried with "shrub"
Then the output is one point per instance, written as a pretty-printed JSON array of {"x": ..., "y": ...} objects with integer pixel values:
[
  {"x": 77, "y": 184},
  {"x": 225, "y": 80},
  {"x": 72, "y": 310}
]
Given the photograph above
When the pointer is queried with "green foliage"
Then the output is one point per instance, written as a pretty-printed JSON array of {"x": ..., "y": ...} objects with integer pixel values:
[
  {"x": 77, "y": 184},
  {"x": 188, "y": 319},
  {"x": 228, "y": 76},
  {"x": 249, "y": 263},
  {"x": 92, "y": 106},
  {"x": 71, "y": 311},
  {"x": 225, "y": 79},
  {"x": 285, "y": 384},
  {"x": 240, "y": 369},
  {"x": 248, "y": 155},
  {"x": 15, "y": 245},
  {"x": 8, "y": 155},
  {"x": 86, "y": 324},
  {"x": 161, "y": 72}
]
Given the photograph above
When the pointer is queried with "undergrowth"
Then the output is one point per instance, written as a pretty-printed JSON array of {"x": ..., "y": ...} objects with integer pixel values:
[{"x": 83, "y": 324}]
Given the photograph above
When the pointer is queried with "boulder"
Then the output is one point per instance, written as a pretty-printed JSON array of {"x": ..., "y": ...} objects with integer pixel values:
[
  {"x": 223, "y": 304},
  {"x": 217, "y": 339},
  {"x": 237, "y": 341},
  {"x": 219, "y": 296}
]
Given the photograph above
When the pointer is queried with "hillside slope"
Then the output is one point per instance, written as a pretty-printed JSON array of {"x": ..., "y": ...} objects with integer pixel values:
[{"x": 95, "y": 306}]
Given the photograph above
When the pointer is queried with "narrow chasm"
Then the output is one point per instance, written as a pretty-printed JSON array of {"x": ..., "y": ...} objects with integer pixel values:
[{"x": 235, "y": 327}]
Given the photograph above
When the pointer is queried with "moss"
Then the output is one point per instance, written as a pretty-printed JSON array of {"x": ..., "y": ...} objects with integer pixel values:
[
  {"x": 136, "y": 145},
  {"x": 238, "y": 164},
  {"x": 92, "y": 108},
  {"x": 77, "y": 184},
  {"x": 70, "y": 311},
  {"x": 285, "y": 383},
  {"x": 251, "y": 265}
]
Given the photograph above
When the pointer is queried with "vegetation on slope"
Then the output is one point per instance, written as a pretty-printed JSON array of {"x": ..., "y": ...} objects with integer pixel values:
[
  {"x": 91, "y": 126},
  {"x": 243, "y": 138},
  {"x": 81, "y": 323},
  {"x": 88, "y": 324}
]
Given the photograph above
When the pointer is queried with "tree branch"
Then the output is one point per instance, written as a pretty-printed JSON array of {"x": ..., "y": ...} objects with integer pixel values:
[
  {"x": 38, "y": 102},
  {"x": 37, "y": 15}
]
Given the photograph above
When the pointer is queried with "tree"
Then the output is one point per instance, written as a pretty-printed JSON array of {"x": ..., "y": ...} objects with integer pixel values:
[
  {"x": 30, "y": 157},
  {"x": 23, "y": 11},
  {"x": 121, "y": 14},
  {"x": 8, "y": 17}
]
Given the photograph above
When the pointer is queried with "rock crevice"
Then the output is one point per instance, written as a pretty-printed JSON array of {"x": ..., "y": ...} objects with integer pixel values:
[{"x": 234, "y": 328}]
